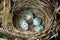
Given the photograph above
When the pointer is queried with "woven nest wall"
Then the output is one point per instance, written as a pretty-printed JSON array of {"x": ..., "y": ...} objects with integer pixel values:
[{"x": 40, "y": 9}]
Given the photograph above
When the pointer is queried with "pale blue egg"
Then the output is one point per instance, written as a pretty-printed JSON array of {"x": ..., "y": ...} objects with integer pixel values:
[
  {"x": 38, "y": 28},
  {"x": 41, "y": 27},
  {"x": 29, "y": 15},
  {"x": 24, "y": 24},
  {"x": 37, "y": 21}
]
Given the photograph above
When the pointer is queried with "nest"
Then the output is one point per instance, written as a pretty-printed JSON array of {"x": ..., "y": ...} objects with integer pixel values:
[{"x": 41, "y": 10}]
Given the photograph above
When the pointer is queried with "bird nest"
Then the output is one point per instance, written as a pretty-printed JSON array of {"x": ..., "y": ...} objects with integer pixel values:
[{"x": 41, "y": 10}]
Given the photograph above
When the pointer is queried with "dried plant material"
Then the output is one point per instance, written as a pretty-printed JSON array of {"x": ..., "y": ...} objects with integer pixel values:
[{"x": 13, "y": 11}]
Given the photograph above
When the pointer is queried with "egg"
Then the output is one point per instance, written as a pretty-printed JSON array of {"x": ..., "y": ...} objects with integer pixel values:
[
  {"x": 37, "y": 21},
  {"x": 29, "y": 15},
  {"x": 24, "y": 24},
  {"x": 38, "y": 28}
]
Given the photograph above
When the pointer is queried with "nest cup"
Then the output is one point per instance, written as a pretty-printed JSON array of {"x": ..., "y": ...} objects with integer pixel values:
[{"x": 43, "y": 12}]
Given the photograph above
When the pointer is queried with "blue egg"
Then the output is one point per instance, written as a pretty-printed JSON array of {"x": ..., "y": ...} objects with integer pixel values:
[
  {"x": 37, "y": 21},
  {"x": 29, "y": 15},
  {"x": 24, "y": 24},
  {"x": 38, "y": 28},
  {"x": 41, "y": 27}
]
